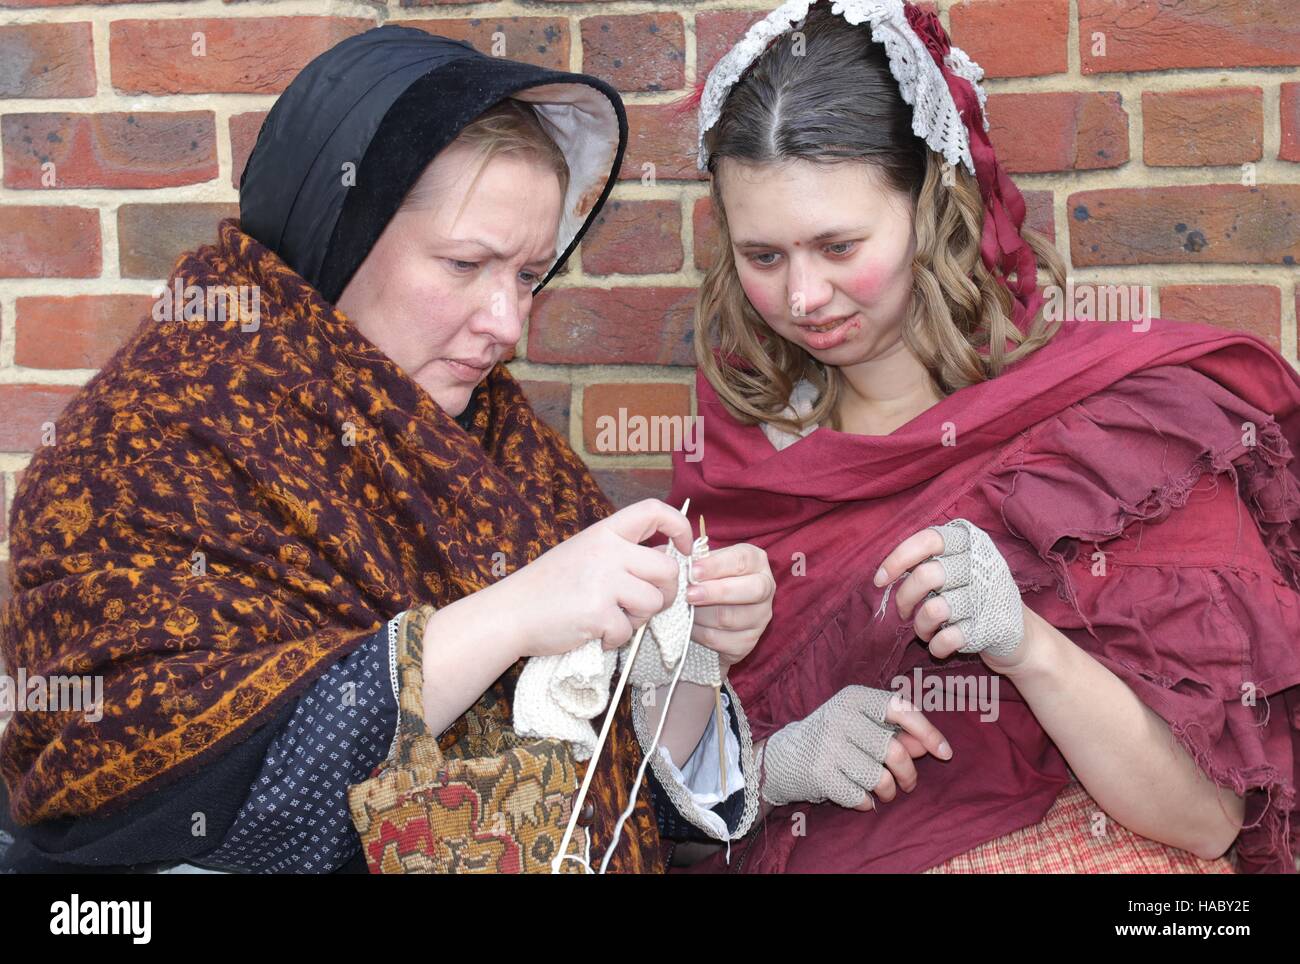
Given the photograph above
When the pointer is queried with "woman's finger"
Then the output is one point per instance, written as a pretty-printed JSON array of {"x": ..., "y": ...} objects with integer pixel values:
[
  {"x": 912, "y": 551},
  {"x": 914, "y": 722},
  {"x": 653, "y": 566},
  {"x": 732, "y": 645},
  {"x": 899, "y": 763},
  {"x": 914, "y": 747},
  {"x": 731, "y": 590},
  {"x": 926, "y": 578},
  {"x": 638, "y": 598},
  {"x": 641, "y": 520},
  {"x": 736, "y": 560}
]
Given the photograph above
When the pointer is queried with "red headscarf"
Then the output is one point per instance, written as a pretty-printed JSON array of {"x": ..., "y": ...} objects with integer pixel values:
[{"x": 1086, "y": 443}]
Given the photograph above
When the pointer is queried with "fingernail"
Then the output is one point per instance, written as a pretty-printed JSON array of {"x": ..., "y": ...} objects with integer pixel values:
[
  {"x": 945, "y": 750},
  {"x": 881, "y": 576},
  {"x": 694, "y": 594}
]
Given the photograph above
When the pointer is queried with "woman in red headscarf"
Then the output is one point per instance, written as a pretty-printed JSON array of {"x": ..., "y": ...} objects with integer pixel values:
[{"x": 1081, "y": 653}]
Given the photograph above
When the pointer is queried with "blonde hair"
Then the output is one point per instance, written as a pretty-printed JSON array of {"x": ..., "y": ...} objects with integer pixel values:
[
  {"x": 508, "y": 127},
  {"x": 837, "y": 101}
]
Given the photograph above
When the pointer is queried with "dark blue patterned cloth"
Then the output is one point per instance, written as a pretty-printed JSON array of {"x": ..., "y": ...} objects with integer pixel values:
[{"x": 296, "y": 818}]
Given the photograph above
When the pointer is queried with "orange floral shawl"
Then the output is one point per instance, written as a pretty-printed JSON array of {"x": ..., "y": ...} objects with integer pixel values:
[{"x": 226, "y": 512}]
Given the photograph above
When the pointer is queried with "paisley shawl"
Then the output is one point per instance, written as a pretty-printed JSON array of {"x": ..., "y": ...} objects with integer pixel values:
[{"x": 225, "y": 512}]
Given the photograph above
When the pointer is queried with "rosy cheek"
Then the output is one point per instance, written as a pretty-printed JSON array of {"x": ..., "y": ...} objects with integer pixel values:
[
  {"x": 865, "y": 285},
  {"x": 764, "y": 295}
]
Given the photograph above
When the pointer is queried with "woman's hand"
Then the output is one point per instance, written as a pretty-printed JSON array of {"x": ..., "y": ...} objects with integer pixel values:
[
  {"x": 860, "y": 741},
  {"x": 599, "y": 584},
  {"x": 968, "y": 599},
  {"x": 733, "y": 601}
]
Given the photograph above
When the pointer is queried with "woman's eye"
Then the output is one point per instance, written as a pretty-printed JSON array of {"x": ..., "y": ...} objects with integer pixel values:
[
  {"x": 840, "y": 247},
  {"x": 528, "y": 277},
  {"x": 462, "y": 266},
  {"x": 758, "y": 259}
]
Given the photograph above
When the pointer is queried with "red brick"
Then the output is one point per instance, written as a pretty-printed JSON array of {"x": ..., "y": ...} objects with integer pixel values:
[
  {"x": 634, "y": 237},
  {"x": 150, "y": 237},
  {"x": 645, "y": 51},
  {"x": 138, "y": 149},
  {"x": 705, "y": 228},
  {"x": 1058, "y": 131},
  {"x": 244, "y": 129},
  {"x": 648, "y": 401},
  {"x": 1255, "y": 309},
  {"x": 1290, "y": 111},
  {"x": 26, "y": 408},
  {"x": 81, "y": 331},
  {"x": 663, "y": 135},
  {"x": 244, "y": 55},
  {"x": 716, "y": 32},
  {"x": 1220, "y": 125},
  {"x": 49, "y": 242},
  {"x": 1041, "y": 29},
  {"x": 543, "y": 41},
  {"x": 1199, "y": 224},
  {"x": 47, "y": 60},
  {"x": 1040, "y": 214},
  {"x": 651, "y": 326},
  {"x": 625, "y": 487},
  {"x": 1170, "y": 34},
  {"x": 550, "y": 400}
]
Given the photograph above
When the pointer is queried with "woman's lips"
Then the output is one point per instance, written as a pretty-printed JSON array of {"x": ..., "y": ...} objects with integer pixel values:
[
  {"x": 824, "y": 340},
  {"x": 465, "y": 372}
]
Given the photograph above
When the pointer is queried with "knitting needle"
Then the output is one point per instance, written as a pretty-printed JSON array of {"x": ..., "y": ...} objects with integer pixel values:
[
  {"x": 719, "y": 718},
  {"x": 600, "y": 743}
]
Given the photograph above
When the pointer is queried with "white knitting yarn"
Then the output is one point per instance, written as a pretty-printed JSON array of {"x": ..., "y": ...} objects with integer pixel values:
[
  {"x": 669, "y": 635},
  {"x": 935, "y": 117},
  {"x": 558, "y": 696}
]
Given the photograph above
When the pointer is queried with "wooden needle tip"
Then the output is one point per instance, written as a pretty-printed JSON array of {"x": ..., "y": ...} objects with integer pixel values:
[{"x": 703, "y": 533}]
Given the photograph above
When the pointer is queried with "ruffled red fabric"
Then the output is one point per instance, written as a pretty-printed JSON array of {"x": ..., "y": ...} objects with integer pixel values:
[{"x": 1169, "y": 451}]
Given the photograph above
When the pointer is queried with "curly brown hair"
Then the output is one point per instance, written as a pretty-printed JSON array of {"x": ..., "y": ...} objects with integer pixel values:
[{"x": 832, "y": 99}]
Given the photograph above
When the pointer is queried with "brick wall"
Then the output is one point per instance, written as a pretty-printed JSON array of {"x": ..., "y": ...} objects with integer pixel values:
[{"x": 1157, "y": 141}]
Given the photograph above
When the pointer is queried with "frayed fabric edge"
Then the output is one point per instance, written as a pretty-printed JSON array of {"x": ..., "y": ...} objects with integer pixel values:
[
  {"x": 1264, "y": 469},
  {"x": 1270, "y": 836}
]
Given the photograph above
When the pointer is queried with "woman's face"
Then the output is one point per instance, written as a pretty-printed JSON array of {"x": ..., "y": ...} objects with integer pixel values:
[
  {"x": 822, "y": 243},
  {"x": 446, "y": 289}
]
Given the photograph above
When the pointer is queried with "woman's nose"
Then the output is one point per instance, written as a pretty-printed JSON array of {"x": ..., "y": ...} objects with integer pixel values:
[
  {"x": 808, "y": 291},
  {"x": 504, "y": 315}
]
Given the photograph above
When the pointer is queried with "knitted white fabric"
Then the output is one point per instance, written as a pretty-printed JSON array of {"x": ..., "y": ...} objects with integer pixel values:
[
  {"x": 836, "y": 753},
  {"x": 558, "y": 696},
  {"x": 669, "y": 634},
  {"x": 935, "y": 118}
]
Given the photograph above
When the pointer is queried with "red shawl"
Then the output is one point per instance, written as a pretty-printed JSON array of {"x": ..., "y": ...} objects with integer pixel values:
[{"x": 1134, "y": 443}]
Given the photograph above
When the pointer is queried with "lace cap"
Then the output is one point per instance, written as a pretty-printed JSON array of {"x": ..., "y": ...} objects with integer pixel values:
[{"x": 935, "y": 117}]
